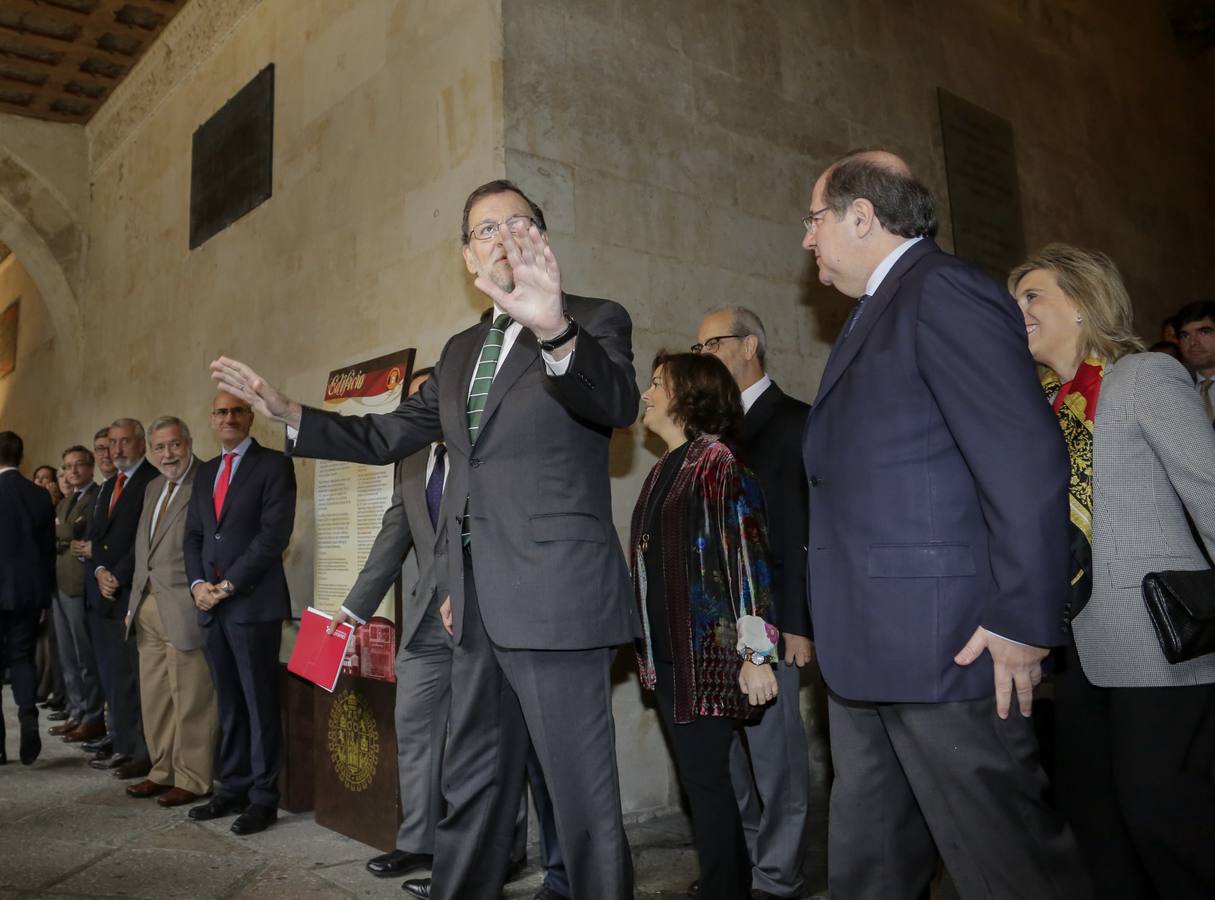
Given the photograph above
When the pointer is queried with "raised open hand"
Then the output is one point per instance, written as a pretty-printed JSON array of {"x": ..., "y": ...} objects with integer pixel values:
[
  {"x": 535, "y": 302},
  {"x": 264, "y": 398}
]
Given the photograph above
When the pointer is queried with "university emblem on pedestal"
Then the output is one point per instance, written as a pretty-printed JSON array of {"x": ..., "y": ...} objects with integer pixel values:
[{"x": 354, "y": 743}]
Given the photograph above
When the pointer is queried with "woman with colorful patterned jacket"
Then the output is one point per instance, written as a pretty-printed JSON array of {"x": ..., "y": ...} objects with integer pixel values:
[{"x": 699, "y": 556}]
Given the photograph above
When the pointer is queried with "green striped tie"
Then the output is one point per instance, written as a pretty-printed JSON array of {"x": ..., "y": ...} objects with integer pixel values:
[{"x": 483, "y": 379}]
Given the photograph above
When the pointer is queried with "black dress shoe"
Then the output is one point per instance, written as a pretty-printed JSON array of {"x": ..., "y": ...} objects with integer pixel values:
[
  {"x": 254, "y": 819},
  {"x": 399, "y": 862},
  {"x": 101, "y": 745},
  {"x": 217, "y": 807},
  {"x": 693, "y": 889},
  {"x": 31, "y": 741},
  {"x": 419, "y": 887},
  {"x": 516, "y": 869},
  {"x": 107, "y": 763},
  {"x": 59, "y": 715},
  {"x": 547, "y": 893}
]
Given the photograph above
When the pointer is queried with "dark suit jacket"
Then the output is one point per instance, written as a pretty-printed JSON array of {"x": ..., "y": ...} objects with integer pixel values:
[
  {"x": 938, "y": 479},
  {"x": 548, "y": 562},
  {"x": 406, "y": 524},
  {"x": 771, "y": 448},
  {"x": 113, "y": 537},
  {"x": 246, "y": 545},
  {"x": 27, "y": 544},
  {"x": 69, "y": 571}
]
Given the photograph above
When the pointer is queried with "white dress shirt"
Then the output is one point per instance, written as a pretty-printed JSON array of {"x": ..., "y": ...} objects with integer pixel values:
[
  {"x": 754, "y": 392},
  {"x": 884, "y": 267},
  {"x": 164, "y": 492}
]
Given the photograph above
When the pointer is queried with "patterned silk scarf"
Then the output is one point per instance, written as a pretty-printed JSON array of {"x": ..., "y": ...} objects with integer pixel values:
[{"x": 1075, "y": 404}]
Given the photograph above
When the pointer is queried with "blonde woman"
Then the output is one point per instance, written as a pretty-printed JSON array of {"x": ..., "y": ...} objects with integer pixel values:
[{"x": 1135, "y": 734}]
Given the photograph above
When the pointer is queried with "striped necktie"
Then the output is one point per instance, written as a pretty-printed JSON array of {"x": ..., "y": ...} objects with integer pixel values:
[{"x": 483, "y": 379}]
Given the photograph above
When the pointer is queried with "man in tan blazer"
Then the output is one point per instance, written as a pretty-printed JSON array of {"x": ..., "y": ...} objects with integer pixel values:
[{"x": 177, "y": 696}]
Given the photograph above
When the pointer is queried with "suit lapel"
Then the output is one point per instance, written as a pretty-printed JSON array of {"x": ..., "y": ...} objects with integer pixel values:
[
  {"x": 846, "y": 348},
  {"x": 454, "y": 392},
  {"x": 243, "y": 473},
  {"x": 760, "y": 412},
  {"x": 413, "y": 489},
  {"x": 175, "y": 507},
  {"x": 523, "y": 355}
]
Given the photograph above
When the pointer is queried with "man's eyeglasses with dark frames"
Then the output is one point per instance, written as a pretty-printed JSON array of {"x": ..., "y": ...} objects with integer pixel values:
[{"x": 710, "y": 344}]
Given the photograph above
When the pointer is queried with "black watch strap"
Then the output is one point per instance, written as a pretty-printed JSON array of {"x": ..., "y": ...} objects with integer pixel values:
[{"x": 571, "y": 332}]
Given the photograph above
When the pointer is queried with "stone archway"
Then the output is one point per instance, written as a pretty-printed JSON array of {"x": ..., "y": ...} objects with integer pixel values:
[{"x": 49, "y": 242}]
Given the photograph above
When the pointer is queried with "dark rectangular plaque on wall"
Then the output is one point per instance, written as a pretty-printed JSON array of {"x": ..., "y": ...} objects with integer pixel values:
[
  {"x": 984, "y": 196},
  {"x": 230, "y": 168}
]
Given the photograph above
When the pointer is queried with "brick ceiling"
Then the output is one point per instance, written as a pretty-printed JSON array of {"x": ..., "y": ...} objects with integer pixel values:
[{"x": 60, "y": 59}]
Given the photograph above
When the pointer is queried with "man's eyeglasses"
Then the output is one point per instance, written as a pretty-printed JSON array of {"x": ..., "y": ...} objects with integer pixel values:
[
  {"x": 812, "y": 220},
  {"x": 223, "y": 412},
  {"x": 711, "y": 344},
  {"x": 516, "y": 225}
]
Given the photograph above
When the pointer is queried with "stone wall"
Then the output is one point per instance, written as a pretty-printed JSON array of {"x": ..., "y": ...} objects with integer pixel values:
[
  {"x": 31, "y": 396},
  {"x": 674, "y": 145}
]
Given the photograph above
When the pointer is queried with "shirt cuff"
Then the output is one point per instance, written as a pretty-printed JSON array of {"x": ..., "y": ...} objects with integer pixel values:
[
  {"x": 557, "y": 366},
  {"x": 358, "y": 619},
  {"x": 292, "y": 433},
  {"x": 96, "y": 570},
  {"x": 195, "y": 583},
  {"x": 1010, "y": 640}
]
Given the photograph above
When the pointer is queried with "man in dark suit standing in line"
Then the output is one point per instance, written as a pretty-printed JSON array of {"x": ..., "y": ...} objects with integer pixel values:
[
  {"x": 938, "y": 557},
  {"x": 772, "y": 782},
  {"x": 27, "y": 577},
  {"x": 85, "y": 703},
  {"x": 238, "y": 525},
  {"x": 540, "y": 594},
  {"x": 108, "y": 593}
]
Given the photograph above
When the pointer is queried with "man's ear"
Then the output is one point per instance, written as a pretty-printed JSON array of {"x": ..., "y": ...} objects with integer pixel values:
[
  {"x": 862, "y": 217},
  {"x": 469, "y": 261},
  {"x": 750, "y": 346}
]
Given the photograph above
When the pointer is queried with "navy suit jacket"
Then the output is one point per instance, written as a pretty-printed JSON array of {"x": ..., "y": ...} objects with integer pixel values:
[
  {"x": 771, "y": 440},
  {"x": 113, "y": 535},
  {"x": 246, "y": 545},
  {"x": 938, "y": 480},
  {"x": 27, "y": 544}
]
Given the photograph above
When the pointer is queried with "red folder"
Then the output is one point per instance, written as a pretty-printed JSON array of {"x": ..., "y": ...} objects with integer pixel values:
[{"x": 317, "y": 656}]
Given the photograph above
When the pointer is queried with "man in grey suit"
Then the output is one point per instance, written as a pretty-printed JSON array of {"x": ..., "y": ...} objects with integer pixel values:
[
  {"x": 423, "y": 668},
  {"x": 177, "y": 696},
  {"x": 540, "y": 593}
]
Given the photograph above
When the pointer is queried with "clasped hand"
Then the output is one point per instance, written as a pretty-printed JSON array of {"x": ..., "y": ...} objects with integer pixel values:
[
  {"x": 757, "y": 682},
  {"x": 207, "y": 595},
  {"x": 107, "y": 583}
]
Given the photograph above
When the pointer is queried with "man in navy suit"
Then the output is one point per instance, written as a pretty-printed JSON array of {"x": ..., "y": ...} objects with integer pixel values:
[
  {"x": 938, "y": 556},
  {"x": 238, "y": 524},
  {"x": 27, "y": 577},
  {"x": 108, "y": 577}
]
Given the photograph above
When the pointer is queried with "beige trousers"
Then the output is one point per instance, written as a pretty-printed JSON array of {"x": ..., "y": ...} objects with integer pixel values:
[{"x": 180, "y": 718}]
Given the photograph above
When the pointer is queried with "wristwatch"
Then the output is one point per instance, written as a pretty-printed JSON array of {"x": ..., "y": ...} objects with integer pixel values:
[
  {"x": 571, "y": 332},
  {"x": 758, "y": 659},
  {"x": 227, "y": 587}
]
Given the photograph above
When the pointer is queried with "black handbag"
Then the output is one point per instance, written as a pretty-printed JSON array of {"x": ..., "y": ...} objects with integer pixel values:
[{"x": 1182, "y": 607}]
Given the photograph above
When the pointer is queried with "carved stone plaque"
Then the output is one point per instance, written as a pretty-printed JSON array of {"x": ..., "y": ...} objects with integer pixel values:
[{"x": 984, "y": 195}]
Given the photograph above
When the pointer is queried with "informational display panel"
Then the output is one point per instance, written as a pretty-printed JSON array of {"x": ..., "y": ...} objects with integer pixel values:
[
  {"x": 350, "y": 499},
  {"x": 984, "y": 194}
]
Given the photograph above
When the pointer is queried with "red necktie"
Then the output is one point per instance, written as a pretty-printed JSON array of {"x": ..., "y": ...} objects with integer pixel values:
[
  {"x": 122, "y": 479},
  {"x": 221, "y": 486}
]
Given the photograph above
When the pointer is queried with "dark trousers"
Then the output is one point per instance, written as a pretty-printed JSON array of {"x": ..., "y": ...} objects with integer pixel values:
[
  {"x": 555, "y": 876},
  {"x": 1133, "y": 776},
  {"x": 18, "y": 637},
  {"x": 915, "y": 778},
  {"x": 702, "y": 761},
  {"x": 563, "y": 701},
  {"x": 243, "y": 658},
  {"x": 118, "y": 668}
]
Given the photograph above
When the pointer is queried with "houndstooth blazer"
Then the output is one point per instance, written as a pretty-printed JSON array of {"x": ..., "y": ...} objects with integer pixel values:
[{"x": 1153, "y": 459}]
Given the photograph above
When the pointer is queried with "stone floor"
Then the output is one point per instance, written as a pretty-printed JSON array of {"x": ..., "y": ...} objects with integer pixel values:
[{"x": 67, "y": 831}]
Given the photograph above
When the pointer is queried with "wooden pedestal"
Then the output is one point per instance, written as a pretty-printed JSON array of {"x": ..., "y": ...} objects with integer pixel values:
[{"x": 355, "y": 760}]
